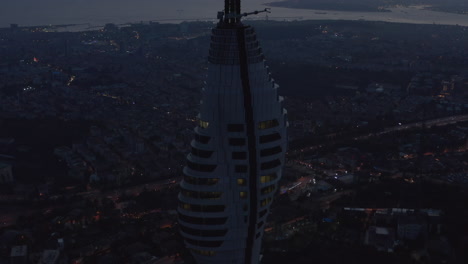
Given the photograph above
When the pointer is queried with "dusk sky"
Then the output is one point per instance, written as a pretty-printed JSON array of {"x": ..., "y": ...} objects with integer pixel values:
[
  {"x": 187, "y": 131},
  {"x": 119, "y": 11},
  {"x": 99, "y": 12}
]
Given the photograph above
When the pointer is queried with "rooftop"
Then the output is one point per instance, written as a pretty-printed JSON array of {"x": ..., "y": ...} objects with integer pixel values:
[
  {"x": 19, "y": 251},
  {"x": 4, "y": 165},
  {"x": 50, "y": 257}
]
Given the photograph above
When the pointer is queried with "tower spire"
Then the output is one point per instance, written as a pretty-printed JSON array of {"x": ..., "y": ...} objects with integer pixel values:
[
  {"x": 232, "y": 10},
  {"x": 232, "y": 13}
]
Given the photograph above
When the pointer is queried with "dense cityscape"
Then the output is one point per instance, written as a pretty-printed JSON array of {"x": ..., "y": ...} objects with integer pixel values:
[{"x": 95, "y": 127}]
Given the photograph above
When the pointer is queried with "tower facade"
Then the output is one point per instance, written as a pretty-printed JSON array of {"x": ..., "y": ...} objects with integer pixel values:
[{"x": 238, "y": 150}]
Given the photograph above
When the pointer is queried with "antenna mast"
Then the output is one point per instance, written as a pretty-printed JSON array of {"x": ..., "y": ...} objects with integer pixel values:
[
  {"x": 232, "y": 8},
  {"x": 232, "y": 12}
]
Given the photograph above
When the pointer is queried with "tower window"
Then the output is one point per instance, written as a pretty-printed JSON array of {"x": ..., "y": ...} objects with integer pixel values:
[
  {"x": 200, "y": 181},
  {"x": 260, "y": 224},
  {"x": 202, "y": 139},
  {"x": 235, "y": 127},
  {"x": 268, "y": 124},
  {"x": 203, "y": 221},
  {"x": 270, "y": 164},
  {"x": 203, "y": 124},
  {"x": 202, "y": 208},
  {"x": 241, "y": 182},
  {"x": 239, "y": 155},
  {"x": 201, "y": 195},
  {"x": 269, "y": 138},
  {"x": 201, "y": 153},
  {"x": 268, "y": 189},
  {"x": 268, "y": 178},
  {"x": 203, "y": 233},
  {"x": 237, "y": 141},
  {"x": 262, "y": 213},
  {"x": 208, "y": 253},
  {"x": 241, "y": 168},
  {"x": 185, "y": 206},
  {"x": 201, "y": 167},
  {"x": 243, "y": 195},
  {"x": 270, "y": 151},
  {"x": 202, "y": 243},
  {"x": 265, "y": 202}
]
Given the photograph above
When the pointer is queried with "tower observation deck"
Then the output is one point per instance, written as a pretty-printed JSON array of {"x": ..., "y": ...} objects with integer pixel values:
[{"x": 238, "y": 151}]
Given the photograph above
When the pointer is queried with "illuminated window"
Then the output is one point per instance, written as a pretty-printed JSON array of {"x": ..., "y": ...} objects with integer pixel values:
[
  {"x": 268, "y": 124},
  {"x": 268, "y": 178},
  {"x": 268, "y": 189},
  {"x": 265, "y": 202},
  {"x": 241, "y": 182},
  {"x": 203, "y": 124},
  {"x": 243, "y": 195}
]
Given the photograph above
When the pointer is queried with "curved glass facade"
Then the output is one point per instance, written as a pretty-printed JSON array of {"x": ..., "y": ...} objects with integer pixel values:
[{"x": 238, "y": 153}]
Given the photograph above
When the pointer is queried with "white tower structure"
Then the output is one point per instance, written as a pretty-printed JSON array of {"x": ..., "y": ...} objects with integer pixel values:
[{"x": 238, "y": 151}]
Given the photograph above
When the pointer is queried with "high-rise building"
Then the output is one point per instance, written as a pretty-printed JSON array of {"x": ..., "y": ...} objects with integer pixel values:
[
  {"x": 238, "y": 151},
  {"x": 6, "y": 174}
]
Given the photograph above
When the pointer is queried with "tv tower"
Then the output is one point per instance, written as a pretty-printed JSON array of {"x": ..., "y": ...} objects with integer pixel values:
[{"x": 238, "y": 151}]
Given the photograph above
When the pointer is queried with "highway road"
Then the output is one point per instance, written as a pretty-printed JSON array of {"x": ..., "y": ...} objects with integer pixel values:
[
  {"x": 443, "y": 121},
  {"x": 9, "y": 215}
]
